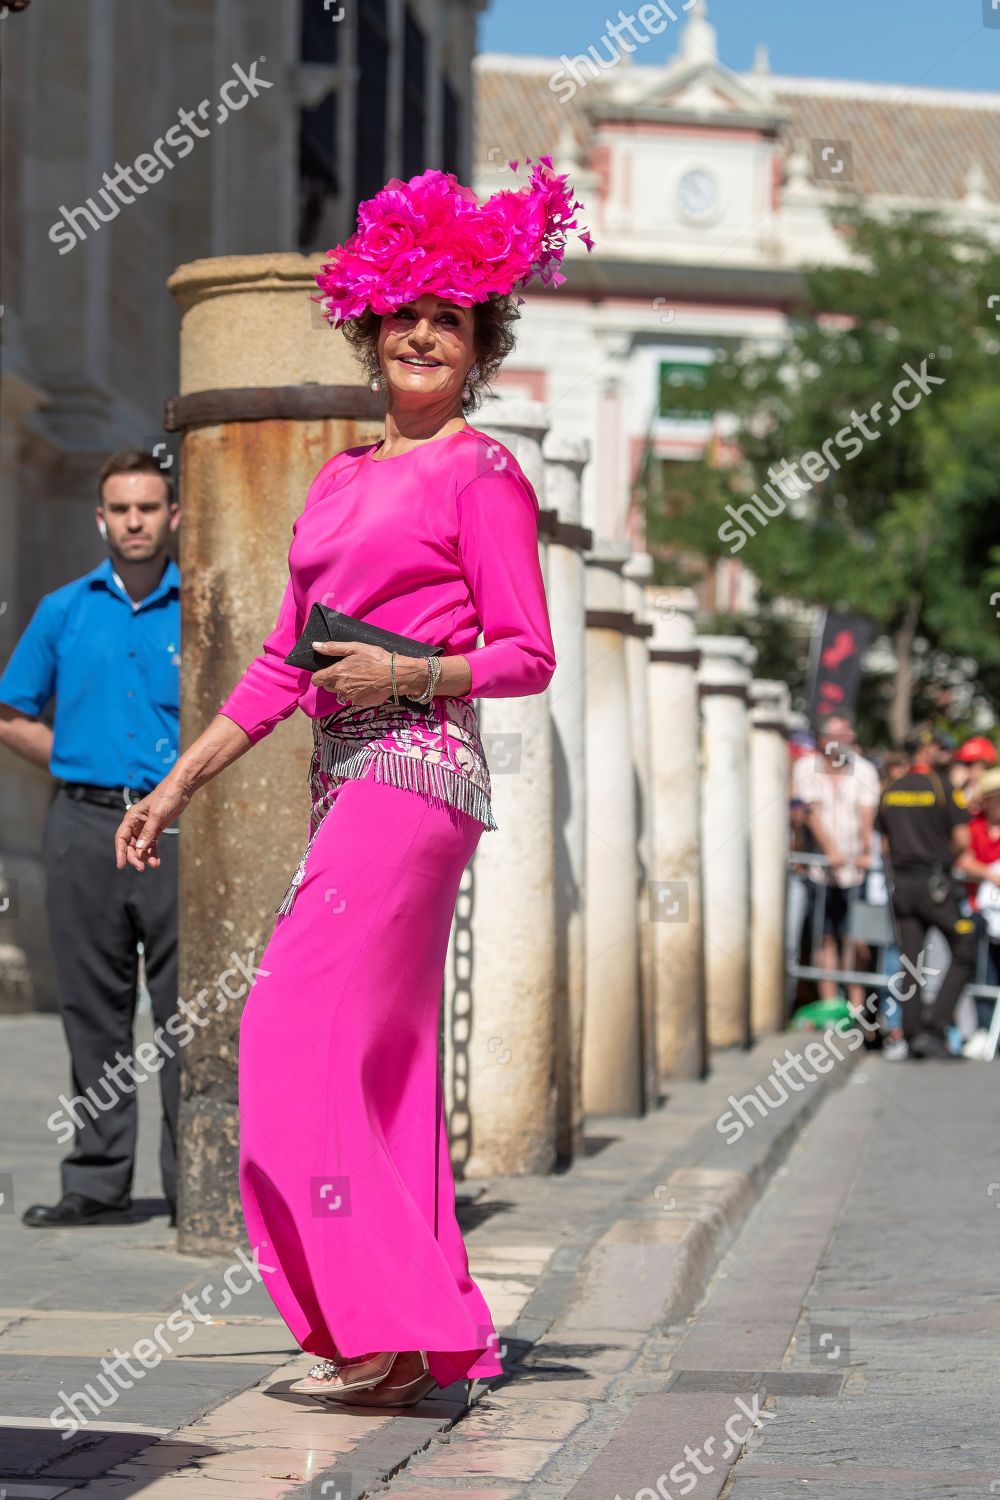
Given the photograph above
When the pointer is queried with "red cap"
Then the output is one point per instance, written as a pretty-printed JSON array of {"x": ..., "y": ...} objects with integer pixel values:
[{"x": 978, "y": 748}]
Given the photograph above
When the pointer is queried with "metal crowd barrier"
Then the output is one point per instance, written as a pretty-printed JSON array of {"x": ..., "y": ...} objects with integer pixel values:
[{"x": 872, "y": 924}]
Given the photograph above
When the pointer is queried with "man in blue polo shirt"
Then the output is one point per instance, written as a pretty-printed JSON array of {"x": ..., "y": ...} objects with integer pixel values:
[{"x": 107, "y": 646}]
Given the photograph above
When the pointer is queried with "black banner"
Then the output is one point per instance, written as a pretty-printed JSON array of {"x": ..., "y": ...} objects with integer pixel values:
[{"x": 839, "y": 642}]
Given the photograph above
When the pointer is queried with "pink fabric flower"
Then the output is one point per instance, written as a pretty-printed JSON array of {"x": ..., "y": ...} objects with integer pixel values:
[{"x": 432, "y": 234}]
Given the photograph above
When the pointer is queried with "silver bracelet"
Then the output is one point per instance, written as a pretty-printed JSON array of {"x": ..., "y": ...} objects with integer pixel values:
[{"x": 433, "y": 673}]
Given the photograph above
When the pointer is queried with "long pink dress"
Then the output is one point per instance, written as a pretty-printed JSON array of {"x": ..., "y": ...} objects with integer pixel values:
[{"x": 345, "y": 1172}]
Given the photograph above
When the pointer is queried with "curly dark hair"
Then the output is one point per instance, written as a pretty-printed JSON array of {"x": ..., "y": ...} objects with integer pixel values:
[{"x": 493, "y": 340}]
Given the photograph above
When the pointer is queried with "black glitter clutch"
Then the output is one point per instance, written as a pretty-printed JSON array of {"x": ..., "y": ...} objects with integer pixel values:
[{"x": 325, "y": 624}]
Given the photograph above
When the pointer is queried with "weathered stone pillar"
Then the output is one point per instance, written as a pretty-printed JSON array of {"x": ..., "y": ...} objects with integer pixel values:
[
  {"x": 675, "y": 897},
  {"x": 254, "y": 434},
  {"x": 501, "y": 1017},
  {"x": 769, "y": 783},
  {"x": 565, "y": 459},
  {"x": 638, "y": 567},
  {"x": 612, "y": 1030},
  {"x": 724, "y": 681}
]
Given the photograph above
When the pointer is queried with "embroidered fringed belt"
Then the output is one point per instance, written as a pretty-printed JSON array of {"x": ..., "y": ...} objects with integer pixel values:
[{"x": 435, "y": 751}]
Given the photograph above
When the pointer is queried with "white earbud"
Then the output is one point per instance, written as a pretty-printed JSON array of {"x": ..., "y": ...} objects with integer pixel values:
[{"x": 102, "y": 529}]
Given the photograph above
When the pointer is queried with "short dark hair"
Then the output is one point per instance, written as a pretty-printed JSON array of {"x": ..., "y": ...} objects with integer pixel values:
[
  {"x": 133, "y": 461},
  {"x": 493, "y": 339}
]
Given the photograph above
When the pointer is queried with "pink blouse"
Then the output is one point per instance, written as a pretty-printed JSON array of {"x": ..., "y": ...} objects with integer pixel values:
[{"x": 438, "y": 543}]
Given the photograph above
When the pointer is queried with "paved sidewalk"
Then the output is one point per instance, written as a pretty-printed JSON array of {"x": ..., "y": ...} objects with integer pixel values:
[
  {"x": 895, "y": 1302},
  {"x": 845, "y": 1348},
  {"x": 578, "y": 1268}
]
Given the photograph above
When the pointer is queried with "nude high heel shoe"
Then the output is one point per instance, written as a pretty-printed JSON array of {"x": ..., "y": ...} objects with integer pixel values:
[
  {"x": 388, "y": 1392},
  {"x": 325, "y": 1369}
]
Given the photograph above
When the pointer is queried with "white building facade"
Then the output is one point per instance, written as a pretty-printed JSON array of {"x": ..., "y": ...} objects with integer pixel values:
[{"x": 707, "y": 194}]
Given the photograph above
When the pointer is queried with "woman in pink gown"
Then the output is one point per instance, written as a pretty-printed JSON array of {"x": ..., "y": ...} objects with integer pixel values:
[{"x": 345, "y": 1173}]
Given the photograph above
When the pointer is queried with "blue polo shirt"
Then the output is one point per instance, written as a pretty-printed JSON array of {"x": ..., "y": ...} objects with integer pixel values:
[{"x": 114, "y": 667}]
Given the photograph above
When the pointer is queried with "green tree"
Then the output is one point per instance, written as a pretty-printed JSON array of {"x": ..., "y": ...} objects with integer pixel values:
[{"x": 905, "y": 525}]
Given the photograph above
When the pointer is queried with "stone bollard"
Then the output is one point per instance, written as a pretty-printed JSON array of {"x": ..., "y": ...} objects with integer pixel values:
[
  {"x": 565, "y": 458},
  {"x": 639, "y": 567},
  {"x": 723, "y": 686},
  {"x": 675, "y": 896},
  {"x": 769, "y": 792},
  {"x": 254, "y": 434},
  {"x": 501, "y": 981},
  {"x": 612, "y": 1030}
]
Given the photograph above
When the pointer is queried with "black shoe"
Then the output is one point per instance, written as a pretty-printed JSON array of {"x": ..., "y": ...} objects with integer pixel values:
[
  {"x": 930, "y": 1044},
  {"x": 72, "y": 1211}
]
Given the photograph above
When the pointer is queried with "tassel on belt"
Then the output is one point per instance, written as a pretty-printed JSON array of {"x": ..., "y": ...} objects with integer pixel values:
[{"x": 442, "y": 759}]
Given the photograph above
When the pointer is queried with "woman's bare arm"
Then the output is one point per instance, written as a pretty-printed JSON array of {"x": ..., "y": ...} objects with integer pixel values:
[
  {"x": 215, "y": 749},
  {"x": 360, "y": 672}
]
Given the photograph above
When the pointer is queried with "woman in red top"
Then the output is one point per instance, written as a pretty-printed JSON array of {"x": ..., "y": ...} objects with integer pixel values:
[{"x": 982, "y": 861}]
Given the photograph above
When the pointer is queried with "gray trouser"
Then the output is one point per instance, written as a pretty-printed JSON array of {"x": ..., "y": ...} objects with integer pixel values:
[{"x": 97, "y": 914}]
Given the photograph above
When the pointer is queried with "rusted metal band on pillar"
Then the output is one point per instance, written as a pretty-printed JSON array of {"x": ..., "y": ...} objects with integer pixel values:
[
  {"x": 302, "y": 403},
  {"x": 617, "y": 619},
  {"x": 566, "y": 533},
  {"x": 723, "y": 689},
  {"x": 676, "y": 658}
]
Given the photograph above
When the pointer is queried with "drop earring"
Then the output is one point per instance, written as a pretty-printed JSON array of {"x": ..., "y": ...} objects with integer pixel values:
[
  {"x": 472, "y": 375},
  {"x": 375, "y": 384}
]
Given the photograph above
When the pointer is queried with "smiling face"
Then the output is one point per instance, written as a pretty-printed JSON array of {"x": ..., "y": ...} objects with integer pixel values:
[{"x": 426, "y": 348}]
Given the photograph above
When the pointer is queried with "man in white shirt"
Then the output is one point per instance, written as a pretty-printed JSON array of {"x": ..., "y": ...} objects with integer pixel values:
[{"x": 841, "y": 791}]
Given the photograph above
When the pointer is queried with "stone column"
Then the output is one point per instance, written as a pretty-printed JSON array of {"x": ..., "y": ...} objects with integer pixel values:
[
  {"x": 612, "y": 490},
  {"x": 612, "y": 1031},
  {"x": 501, "y": 1047},
  {"x": 565, "y": 458},
  {"x": 638, "y": 567},
  {"x": 724, "y": 681},
  {"x": 255, "y": 433},
  {"x": 769, "y": 791},
  {"x": 675, "y": 897}
]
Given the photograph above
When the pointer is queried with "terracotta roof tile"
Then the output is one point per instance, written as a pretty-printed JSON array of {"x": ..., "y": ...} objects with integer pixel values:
[
  {"x": 910, "y": 143},
  {"x": 902, "y": 148},
  {"x": 518, "y": 115}
]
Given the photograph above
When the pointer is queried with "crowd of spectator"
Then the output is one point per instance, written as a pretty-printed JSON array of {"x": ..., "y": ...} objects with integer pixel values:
[{"x": 895, "y": 855}]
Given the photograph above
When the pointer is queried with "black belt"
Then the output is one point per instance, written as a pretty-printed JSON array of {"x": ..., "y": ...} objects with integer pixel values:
[{"x": 104, "y": 796}]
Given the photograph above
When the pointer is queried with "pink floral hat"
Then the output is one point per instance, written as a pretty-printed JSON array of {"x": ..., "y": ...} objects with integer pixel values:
[{"x": 431, "y": 234}]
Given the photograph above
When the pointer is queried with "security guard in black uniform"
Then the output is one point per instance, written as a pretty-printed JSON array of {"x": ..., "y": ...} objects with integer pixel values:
[{"x": 924, "y": 825}]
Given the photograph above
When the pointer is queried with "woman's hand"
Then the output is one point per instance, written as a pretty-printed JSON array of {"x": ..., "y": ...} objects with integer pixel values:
[
  {"x": 361, "y": 673},
  {"x": 136, "y": 835}
]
